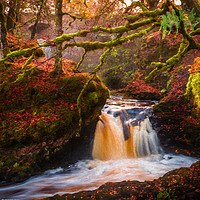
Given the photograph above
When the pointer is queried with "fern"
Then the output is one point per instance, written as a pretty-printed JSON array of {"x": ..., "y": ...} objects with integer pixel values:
[
  {"x": 191, "y": 18},
  {"x": 169, "y": 20},
  {"x": 181, "y": 15},
  {"x": 192, "y": 15},
  {"x": 164, "y": 25}
]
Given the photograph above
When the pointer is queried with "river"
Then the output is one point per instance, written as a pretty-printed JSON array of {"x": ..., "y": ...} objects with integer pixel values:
[{"x": 125, "y": 147}]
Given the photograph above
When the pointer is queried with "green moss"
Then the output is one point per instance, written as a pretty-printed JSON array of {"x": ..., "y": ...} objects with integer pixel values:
[
  {"x": 92, "y": 98},
  {"x": 193, "y": 90},
  {"x": 68, "y": 37},
  {"x": 119, "y": 29},
  {"x": 154, "y": 13},
  {"x": 195, "y": 32},
  {"x": 168, "y": 83},
  {"x": 64, "y": 38},
  {"x": 140, "y": 23},
  {"x": 162, "y": 107},
  {"x": 151, "y": 74},
  {"x": 39, "y": 52},
  {"x": 90, "y": 46}
]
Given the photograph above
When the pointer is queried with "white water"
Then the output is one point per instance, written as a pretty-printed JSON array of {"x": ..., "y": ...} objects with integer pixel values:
[
  {"x": 147, "y": 163},
  {"x": 49, "y": 51}
]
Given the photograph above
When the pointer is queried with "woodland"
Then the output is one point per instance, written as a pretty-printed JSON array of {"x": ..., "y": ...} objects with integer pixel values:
[{"x": 145, "y": 49}]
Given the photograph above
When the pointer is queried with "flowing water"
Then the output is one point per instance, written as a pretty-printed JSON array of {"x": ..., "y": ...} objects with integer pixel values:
[{"x": 125, "y": 147}]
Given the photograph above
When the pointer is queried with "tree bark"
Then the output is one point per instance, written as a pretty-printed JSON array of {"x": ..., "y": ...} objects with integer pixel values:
[
  {"x": 4, "y": 40},
  {"x": 59, "y": 31},
  {"x": 11, "y": 16}
]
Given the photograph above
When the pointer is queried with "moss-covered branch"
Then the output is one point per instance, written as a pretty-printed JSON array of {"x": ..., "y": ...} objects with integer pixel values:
[
  {"x": 25, "y": 72},
  {"x": 72, "y": 16},
  {"x": 102, "y": 59},
  {"x": 195, "y": 32},
  {"x": 168, "y": 65},
  {"x": 81, "y": 60},
  {"x": 121, "y": 29},
  {"x": 147, "y": 13},
  {"x": 18, "y": 53},
  {"x": 140, "y": 23},
  {"x": 89, "y": 46},
  {"x": 92, "y": 74},
  {"x": 83, "y": 33},
  {"x": 28, "y": 21},
  {"x": 187, "y": 44},
  {"x": 6, "y": 83},
  {"x": 68, "y": 37},
  {"x": 155, "y": 13}
]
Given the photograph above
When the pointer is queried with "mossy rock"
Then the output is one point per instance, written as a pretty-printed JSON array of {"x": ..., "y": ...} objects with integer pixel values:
[
  {"x": 162, "y": 107},
  {"x": 39, "y": 52},
  {"x": 39, "y": 114}
]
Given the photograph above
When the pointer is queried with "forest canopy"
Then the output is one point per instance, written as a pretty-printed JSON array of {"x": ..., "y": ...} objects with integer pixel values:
[{"x": 134, "y": 23}]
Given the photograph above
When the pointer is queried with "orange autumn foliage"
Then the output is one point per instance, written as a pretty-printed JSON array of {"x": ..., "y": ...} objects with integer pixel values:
[{"x": 196, "y": 66}]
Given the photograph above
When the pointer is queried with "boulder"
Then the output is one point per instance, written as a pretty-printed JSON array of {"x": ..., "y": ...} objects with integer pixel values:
[{"x": 40, "y": 116}]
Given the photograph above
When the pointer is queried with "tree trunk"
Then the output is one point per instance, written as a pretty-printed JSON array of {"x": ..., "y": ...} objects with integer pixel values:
[
  {"x": 34, "y": 30},
  {"x": 4, "y": 40},
  {"x": 11, "y": 16},
  {"x": 58, "y": 58}
]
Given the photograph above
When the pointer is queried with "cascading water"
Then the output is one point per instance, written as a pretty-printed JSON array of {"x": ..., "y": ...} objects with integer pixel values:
[
  {"x": 125, "y": 147},
  {"x": 118, "y": 135}
]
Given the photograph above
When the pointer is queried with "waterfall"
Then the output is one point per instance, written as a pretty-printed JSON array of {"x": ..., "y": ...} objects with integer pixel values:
[
  {"x": 125, "y": 148},
  {"x": 125, "y": 133}
]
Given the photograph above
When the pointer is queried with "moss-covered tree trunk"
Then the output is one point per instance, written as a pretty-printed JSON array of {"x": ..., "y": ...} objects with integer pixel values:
[
  {"x": 3, "y": 31},
  {"x": 11, "y": 16},
  {"x": 59, "y": 31}
]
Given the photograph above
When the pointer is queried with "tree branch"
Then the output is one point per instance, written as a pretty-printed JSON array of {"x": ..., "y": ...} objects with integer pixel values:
[
  {"x": 135, "y": 4},
  {"x": 81, "y": 60},
  {"x": 187, "y": 44},
  {"x": 37, "y": 19},
  {"x": 93, "y": 73}
]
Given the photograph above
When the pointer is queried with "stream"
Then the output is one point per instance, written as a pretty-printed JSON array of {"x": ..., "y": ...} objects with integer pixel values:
[{"x": 125, "y": 147}]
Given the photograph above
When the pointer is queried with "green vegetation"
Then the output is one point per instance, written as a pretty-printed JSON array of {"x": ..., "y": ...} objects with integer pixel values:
[
  {"x": 193, "y": 86},
  {"x": 41, "y": 109}
]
